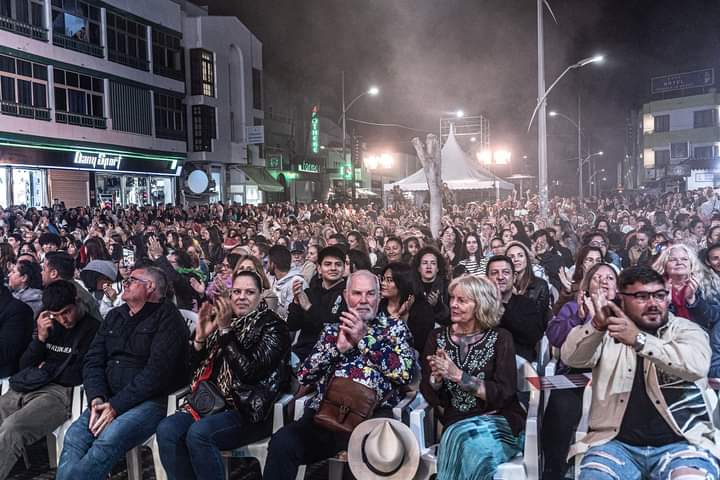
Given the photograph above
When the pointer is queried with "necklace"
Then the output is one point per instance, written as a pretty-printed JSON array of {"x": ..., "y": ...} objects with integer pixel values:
[{"x": 464, "y": 334}]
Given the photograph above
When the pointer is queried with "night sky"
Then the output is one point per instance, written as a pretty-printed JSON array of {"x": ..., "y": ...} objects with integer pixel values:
[{"x": 431, "y": 57}]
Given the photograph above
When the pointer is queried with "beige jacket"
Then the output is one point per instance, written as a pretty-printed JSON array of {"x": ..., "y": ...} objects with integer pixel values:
[{"x": 679, "y": 359}]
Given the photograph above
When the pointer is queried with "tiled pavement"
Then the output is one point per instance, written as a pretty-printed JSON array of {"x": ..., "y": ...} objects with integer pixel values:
[{"x": 241, "y": 469}]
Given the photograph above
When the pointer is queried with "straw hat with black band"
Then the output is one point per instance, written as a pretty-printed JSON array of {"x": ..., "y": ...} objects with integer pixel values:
[{"x": 383, "y": 448}]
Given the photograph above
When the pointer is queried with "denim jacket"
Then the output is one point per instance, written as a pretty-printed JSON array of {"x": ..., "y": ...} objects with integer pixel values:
[{"x": 382, "y": 360}]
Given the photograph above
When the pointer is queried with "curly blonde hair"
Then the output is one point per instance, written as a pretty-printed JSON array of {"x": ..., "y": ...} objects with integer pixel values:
[
  {"x": 488, "y": 308},
  {"x": 709, "y": 283}
]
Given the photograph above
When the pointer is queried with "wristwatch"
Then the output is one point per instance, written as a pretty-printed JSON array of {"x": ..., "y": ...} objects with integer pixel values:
[
  {"x": 225, "y": 330},
  {"x": 640, "y": 340}
]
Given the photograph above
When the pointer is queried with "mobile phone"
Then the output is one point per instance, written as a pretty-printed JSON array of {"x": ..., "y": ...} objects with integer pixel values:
[{"x": 128, "y": 257}]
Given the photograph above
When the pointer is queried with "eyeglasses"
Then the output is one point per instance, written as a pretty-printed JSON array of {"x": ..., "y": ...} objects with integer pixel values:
[
  {"x": 130, "y": 280},
  {"x": 598, "y": 244},
  {"x": 659, "y": 295}
]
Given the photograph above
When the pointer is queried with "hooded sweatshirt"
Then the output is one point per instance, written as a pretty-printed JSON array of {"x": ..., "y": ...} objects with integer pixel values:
[
  {"x": 284, "y": 291},
  {"x": 32, "y": 297}
]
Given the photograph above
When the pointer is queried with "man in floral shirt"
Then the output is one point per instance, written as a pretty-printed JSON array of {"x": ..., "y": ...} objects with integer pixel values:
[{"x": 372, "y": 349}]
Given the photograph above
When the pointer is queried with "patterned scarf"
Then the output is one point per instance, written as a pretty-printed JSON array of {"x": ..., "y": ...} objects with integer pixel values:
[{"x": 241, "y": 326}]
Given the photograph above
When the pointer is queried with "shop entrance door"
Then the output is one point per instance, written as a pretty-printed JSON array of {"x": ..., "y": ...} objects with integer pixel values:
[{"x": 28, "y": 187}]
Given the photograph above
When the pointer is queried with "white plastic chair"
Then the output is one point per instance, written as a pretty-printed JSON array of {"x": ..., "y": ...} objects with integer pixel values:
[
  {"x": 525, "y": 466},
  {"x": 583, "y": 426},
  {"x": 191, "y": 319},
  {"x": 56, "y": 439},
  {"x": 257, "y": 450}
]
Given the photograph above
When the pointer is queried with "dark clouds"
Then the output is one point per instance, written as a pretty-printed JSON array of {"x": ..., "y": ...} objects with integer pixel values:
[{"x": 432, "y": 56}]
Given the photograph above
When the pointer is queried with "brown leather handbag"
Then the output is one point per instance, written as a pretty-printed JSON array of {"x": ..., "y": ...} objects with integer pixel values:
[{"x": 346, "y": 405}]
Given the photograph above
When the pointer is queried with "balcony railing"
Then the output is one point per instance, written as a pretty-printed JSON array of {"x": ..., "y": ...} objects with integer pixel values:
[
  {"x": 77, "y": 45},
  {"x": 81, "y": 120},
  {"x": 170, "y": 134},
  {"x": 134, "y": 62},
  {"x": 25, "y": 111},
  {"x": 22, "y": 28},
  {"x": 168, "y": 72}
]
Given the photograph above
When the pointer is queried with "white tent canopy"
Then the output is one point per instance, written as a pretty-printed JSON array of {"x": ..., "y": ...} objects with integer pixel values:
[{"x": 458, "y": 171}]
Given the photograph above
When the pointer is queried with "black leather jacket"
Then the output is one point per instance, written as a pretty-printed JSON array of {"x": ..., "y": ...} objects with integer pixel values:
[{"x": 258, "y": 362}]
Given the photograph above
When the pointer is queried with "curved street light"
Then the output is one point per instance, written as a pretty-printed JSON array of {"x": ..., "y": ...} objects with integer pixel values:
[
  {"x": 372, "y": 91},
  {"x": 580, "y": 64}
]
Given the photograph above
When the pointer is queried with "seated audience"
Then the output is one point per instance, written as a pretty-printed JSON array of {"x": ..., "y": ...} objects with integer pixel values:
[
  {"x": 468, "y": 369},
  {"x": 366, "y": 347},
  {"x": 650, "y": 421},
  {"x": 40, "y": 393},
  {"x": 240, "y": 352},
  {"x": 137, "y": 358},
  {"x": 521, "y": 316}
]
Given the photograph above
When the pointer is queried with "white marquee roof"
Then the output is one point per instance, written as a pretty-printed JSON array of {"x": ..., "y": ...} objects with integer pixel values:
[{"x": 459, "y": 171}]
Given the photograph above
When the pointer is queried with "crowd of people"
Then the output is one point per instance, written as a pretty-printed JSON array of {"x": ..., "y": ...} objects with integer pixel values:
[{"x": 246, "y": 303}]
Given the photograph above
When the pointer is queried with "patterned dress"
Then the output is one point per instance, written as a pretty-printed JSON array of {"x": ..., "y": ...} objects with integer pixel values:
[{"x": 480, "y": 434}]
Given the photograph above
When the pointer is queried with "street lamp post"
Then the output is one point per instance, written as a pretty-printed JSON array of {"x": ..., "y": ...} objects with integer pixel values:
[
  {"x": 579, "y": 143},
  {"x": 586, "y": 160},
  {"x": 371, "y": 91},
  {"x": 541, "y": 106}
]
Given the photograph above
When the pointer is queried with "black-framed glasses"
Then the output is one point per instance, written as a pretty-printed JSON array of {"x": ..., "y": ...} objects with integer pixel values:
[
  {"x": 130, "y": 280},
  {"x": 659, "y": 295}
]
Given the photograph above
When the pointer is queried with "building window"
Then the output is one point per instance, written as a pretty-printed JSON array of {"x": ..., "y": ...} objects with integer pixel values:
[
  {"x": 679, "y": 150},
  {"x": 23, "y": 88},
  {"x": 662, "y": 158},
  {"x": 169, "y": 117},
  {"x": 705, "y": 152},
  {"x": 705, "y": 118},
  {"x": 79, "y": 99},
  {"x": 167, "y": 55},
  {"x": 202, "y": 72},
  {"x": 662, "y": 123},
  {"x": 24, "y": 17},
  {"x": 76, "y": 25},
  {"x": 203, "y": 119},
  {"x": 130, "y": 108},
  {"x": 127, "y": 41},
  {"x": 257, "y": 89}
]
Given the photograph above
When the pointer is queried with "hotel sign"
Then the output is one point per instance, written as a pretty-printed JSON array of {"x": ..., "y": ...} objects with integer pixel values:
[
  {"x": 98, "y": 161},
  {"x": 683, "y": 81},
  {"x": 315, "y": 130},
  {"x": 309, "y": 166}
]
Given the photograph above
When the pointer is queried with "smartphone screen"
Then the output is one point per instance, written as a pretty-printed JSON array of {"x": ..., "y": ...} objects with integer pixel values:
[{"x": 128, "y": 257}]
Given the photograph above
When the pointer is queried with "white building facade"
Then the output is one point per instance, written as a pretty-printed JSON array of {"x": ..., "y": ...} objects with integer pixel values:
[
  {"x": 225, "y": 102},
  {"x": 681, "y": 134},
  {"x": 99, "y": 101}
]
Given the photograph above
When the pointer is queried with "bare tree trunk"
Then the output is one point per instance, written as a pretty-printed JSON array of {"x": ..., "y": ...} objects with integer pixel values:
[{"x": 429, "y": 155}]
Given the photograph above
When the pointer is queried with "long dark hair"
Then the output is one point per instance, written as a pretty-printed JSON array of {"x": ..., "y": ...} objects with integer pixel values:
[
  {"x": 525, "y": 278},
  {"x": 95, "y": 249},
  {"x": 522, "y": 235},
  {"x": 465, "y": 254},
  {"x": 441, "y": 263},
  {"x": 404, "y": 279},
  {"x": 580, "y": 261}
]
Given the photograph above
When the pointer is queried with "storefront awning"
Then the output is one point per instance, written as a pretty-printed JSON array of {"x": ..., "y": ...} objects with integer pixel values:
[{"x": 264, "y": 181}]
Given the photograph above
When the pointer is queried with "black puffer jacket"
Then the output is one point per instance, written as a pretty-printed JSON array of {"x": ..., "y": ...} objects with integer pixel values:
[{"x": 258, "y": 361}]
